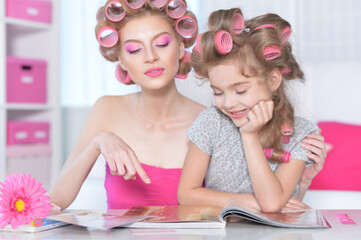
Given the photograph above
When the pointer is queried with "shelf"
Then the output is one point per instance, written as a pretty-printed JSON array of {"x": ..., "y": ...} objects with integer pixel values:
[
  {"x": 27, "y": 107},
  {"x": 27, "y": 24}
]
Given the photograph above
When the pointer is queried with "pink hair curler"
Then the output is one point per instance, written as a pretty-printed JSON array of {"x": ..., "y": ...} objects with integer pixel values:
[
  {"x": 135, "y": 4},
  {"x": 223, "y": 42},
  {"x": 286, "y": 33},
  {"x": 268, "y": 152},
  {"x": 265, "y": 26},
  {"x": 237, "y": 23},
  {"x": 286, "y": 157},
  {"x": 187, "y": 57},
  {"x": 158, "y": 3},
  {"x": 181, "y": 76},
  {"x": 101, "y": 15},
  {"x": 285, "y": 71},
  {"x": 186, "y": 27},
  {"x": 286, "y": 129},
  {"x": 106, "y": 51},
  {"x": 286, "y": 139},
  {"x": 198, "y": 43},
  {"x": 271, "y": 52},
  {"x": 122, "y": 75},
  {"x": 107, "y": 36},
  {"x": 114, "y": 11},
  {"x": 176, "y": 8}
]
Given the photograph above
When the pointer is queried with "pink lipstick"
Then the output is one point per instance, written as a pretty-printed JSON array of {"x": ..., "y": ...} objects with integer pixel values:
[{"x": 154, "y": 72}]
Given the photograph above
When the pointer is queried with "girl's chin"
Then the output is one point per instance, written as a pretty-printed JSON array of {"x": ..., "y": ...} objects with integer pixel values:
[{"x": 240, "y": 122}]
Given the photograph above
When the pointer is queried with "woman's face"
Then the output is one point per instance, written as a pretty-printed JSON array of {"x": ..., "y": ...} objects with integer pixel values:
[{"x": 150, "y": 51}]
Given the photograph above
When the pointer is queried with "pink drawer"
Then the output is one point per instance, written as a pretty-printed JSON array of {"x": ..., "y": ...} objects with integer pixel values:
[
  {"x": 32, "y": 159},
  {"x": 25, "y": 80},
  {"x": 25, "y": 132},
  {"x": 33, "y": 10},
  {"x": 40, "y": 132}
]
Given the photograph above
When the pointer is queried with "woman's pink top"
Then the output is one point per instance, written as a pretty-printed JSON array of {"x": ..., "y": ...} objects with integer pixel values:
[{"x": 162, "y": 191}]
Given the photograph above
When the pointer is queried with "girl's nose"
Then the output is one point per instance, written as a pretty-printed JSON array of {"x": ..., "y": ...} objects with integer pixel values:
[{"x": 229, "y": 102}]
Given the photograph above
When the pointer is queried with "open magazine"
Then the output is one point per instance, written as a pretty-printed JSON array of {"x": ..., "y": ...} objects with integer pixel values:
[
  {"x": 37, "y": 225},
  {"x": 190, "y": 217}
]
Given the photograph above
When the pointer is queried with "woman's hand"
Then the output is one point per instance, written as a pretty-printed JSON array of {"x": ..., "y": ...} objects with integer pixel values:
[
  {"x": 257, "y": 117},
  {"x": 120, "y": 157},
  {"x": 315, "y": 143}
]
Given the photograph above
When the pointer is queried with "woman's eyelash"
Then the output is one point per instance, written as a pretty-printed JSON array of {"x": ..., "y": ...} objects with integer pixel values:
[
  {"x": 134, "y": 51},
  {"x": 163, "y": 45}
]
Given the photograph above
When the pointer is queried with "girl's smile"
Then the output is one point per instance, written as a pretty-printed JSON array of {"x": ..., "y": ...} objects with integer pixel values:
[{"x": 234, "y": 93}]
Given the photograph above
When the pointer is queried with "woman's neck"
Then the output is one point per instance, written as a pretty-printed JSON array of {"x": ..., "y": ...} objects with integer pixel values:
[{"x": 160, "y": 106}]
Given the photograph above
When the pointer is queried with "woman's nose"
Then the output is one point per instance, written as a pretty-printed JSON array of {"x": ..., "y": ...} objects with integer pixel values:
[{"x": 151, "y": 55}]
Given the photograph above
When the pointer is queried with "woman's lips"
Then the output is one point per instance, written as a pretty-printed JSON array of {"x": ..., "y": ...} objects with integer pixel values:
[
  {"x": 238, "y": 114},
  {"x": 154, "y": 72}
]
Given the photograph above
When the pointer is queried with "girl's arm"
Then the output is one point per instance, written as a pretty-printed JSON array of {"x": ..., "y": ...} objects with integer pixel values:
[
  {"x": 272, "y": 190},
  {"x": 92, "y": 141},
  {"x": 192, "y": 192}
]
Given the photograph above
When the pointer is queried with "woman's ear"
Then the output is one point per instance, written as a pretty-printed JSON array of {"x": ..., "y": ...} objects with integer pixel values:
[
  {"x": 275, "y": 79},
  {"x": 181, "y": 49},
  {"x": 122, "y": 65}
]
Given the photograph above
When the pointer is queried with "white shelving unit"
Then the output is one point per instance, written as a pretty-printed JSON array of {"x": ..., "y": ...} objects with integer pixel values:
[{"x": 30, "y": 39}]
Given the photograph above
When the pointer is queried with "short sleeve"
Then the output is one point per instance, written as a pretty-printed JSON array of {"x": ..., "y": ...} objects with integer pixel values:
[
  {"x": 302, "y": 129},
  {"x": 203, "y": 130}
]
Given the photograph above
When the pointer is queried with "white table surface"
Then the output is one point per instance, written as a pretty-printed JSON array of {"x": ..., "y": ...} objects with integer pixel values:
[{"x": 235, "y": 230}]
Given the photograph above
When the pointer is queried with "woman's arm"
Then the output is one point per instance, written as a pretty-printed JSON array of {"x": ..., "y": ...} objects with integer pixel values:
[
  {"x": 93, "y": 140},
  {"x": 192, "y": 192},
  {"x": 315, "y": 143}
]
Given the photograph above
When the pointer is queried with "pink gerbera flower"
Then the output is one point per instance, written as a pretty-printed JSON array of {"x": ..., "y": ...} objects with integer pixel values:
[{"x": 22, "y": 200}]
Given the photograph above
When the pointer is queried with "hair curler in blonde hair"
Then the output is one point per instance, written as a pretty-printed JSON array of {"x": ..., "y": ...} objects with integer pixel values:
[
  {"x": 107, "y": 36},
  {"x": 114, "y": 11},
  {"x": 186, "y": 26},
  {"x": 122, "y": 75},
  {"x": 135, "y": 4},
  {"x": 176, "y": 8}
]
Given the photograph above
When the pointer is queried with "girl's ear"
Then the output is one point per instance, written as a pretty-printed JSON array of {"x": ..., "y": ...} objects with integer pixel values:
[
  {"x": 275, "y": 79},
  {"x": 181, "y": 49}
]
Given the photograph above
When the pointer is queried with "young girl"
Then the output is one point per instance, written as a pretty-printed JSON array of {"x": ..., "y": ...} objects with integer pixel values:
[
  {"x": 141, "y": 135},
  {"x": 237, "y": 147}
]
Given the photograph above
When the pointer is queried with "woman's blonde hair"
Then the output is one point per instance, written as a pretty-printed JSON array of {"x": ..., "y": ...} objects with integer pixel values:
[{"x": 148, "y": 9}]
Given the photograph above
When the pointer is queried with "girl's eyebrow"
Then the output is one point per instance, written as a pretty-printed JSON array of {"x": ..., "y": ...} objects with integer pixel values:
[
  {"x": 139, "y": 41},
  {"x": 232, "y": 85}
]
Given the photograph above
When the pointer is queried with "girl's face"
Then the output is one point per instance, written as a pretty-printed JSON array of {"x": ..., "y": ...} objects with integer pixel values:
[
  {"x": 150, "y": 51},
  {"x": 236, "y": 94}
]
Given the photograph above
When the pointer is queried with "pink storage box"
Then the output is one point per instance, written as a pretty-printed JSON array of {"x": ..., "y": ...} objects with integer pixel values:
[
  {"x": 24, "y": 132},
  {"x": 25, "y": 80},
  {"x": 33, "y": 10},
  {"x": 32, "y": 159}
]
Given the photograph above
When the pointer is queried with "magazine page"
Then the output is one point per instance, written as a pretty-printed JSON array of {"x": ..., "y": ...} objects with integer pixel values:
[
  {"x": 175, "y": 217},
  {"x": 310, "y": 218},
  {"x": 96, "y": 219}
]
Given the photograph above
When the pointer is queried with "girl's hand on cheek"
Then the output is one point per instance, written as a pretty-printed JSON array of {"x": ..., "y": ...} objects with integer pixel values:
[
  {"x": 257, "y": 117},
  {"x": 119, "y": 156}
]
